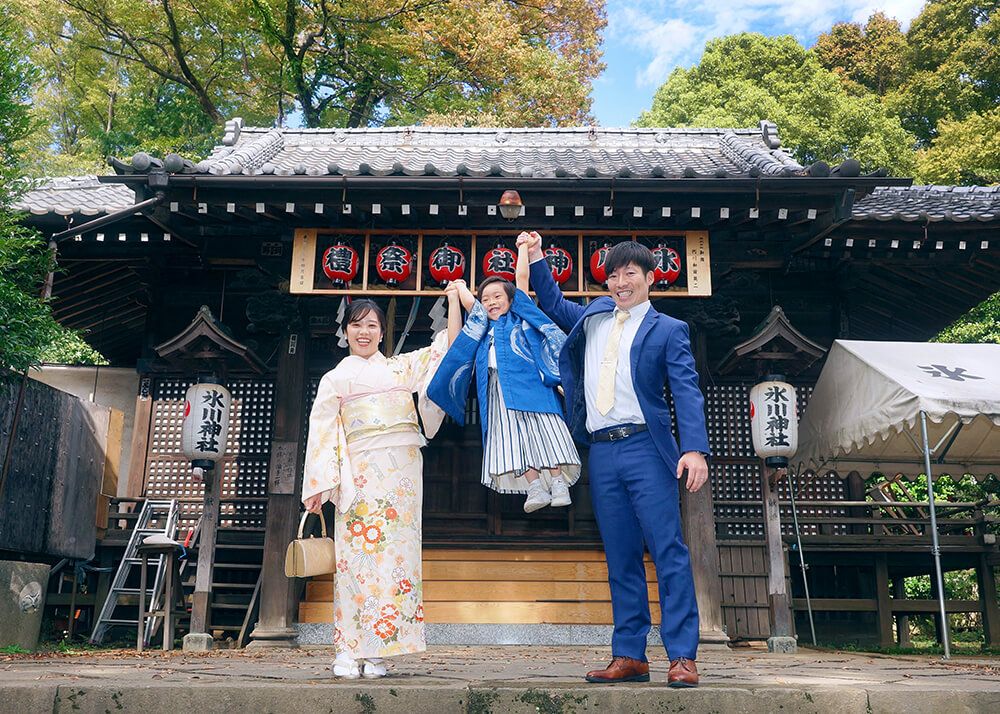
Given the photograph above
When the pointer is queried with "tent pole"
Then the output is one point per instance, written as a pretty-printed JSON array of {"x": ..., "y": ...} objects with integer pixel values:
[
  {"x": 935, "y": 548},
  {"x": 802, "y": 559}
]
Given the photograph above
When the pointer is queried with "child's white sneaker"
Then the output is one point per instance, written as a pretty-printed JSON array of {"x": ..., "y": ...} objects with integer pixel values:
[
  {"x": 372, "y": 668},
  {"x": 538, "y": 497},
  {"x": 345, "y": 667},
  {"x": 560, "y": 492}
]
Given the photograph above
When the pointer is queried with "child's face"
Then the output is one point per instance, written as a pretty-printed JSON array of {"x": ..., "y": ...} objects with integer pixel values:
[{"x": 495, "y": 301}]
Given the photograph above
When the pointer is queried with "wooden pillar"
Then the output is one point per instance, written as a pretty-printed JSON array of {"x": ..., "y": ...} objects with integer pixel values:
[
  {"x": 938, "y": 625},
  {"x": 856, "y": 492},
  {"x": 698, "y": 522},
  {"x": 697, "y": 513},
  {"x": 902, "y": 621},
  {"x": 885, "y": 638},
  {"x": 202, "y": 596},
  {"x": 988, "y": 601},
  {"x": 279, "y": 594},
  {"x": 779, "y": 602}
]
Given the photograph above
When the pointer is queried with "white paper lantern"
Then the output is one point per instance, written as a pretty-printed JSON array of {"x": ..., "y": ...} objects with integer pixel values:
[
  {"x": 206, "y": 423},
  {"x": 774, "y": 422}
]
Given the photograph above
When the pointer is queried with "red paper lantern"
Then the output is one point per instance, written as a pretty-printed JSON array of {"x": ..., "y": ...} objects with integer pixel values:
[
  {"x": 446, "y": 263},
  {"x": 340, "y": 263},
  {"x": 560, "y": 263},
  {"x": 393, "y": 264},
  {"x": 668, "y": 265},
  {"x": 597, "y": 260},
  {"x": 500, "y": 261}
]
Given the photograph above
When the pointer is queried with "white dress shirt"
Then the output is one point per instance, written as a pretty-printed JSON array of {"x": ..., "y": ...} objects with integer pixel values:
[{"x": 626, "y": 409}]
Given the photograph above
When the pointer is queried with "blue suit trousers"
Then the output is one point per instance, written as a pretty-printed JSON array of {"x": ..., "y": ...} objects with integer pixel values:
[{"x": 636, "y": 501}]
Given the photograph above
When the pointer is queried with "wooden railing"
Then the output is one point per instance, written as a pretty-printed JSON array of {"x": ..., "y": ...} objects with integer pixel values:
[{"x": 871, "y": 518}]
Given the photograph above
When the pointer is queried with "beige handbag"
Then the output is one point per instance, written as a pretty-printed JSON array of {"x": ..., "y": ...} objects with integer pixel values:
[{"x": 306, "y": 557}]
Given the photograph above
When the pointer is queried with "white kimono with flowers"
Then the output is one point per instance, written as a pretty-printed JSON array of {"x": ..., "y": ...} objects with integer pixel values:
[{"x": 363, "y": 453}]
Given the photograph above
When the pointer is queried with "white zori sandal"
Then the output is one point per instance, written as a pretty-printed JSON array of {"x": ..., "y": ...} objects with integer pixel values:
[
  {"x": 372, "y": 668},
  {"x": 345, "y": 667}
]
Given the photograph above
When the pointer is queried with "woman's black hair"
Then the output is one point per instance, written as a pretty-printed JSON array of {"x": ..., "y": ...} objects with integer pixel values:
[
  {"x": 359, "y": 308},
  {"x": 629, "y": 251},
  {"x": 508, "y": 286}
]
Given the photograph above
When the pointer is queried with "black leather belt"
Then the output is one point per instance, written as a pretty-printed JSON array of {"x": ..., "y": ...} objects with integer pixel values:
[{"x": 617, "y": 433}]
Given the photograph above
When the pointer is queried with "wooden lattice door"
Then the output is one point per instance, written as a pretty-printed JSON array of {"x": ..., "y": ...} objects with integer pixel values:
[{"x": 244, "y": 468}]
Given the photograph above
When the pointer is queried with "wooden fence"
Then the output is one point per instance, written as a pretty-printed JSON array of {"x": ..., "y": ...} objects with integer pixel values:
[{"x": 59, "y": 466}]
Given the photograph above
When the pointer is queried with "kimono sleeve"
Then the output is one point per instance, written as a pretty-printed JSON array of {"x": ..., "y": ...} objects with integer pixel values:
[
  {"x": 417, "y": 370},
  {"x": 327, "y": 468},
  {"x": 449, "y": 388}
]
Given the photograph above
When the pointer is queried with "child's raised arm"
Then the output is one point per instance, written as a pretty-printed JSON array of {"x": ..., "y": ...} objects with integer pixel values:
[
  {"x": 465, "y": 295},
  {"x": 522, "y": 270}
]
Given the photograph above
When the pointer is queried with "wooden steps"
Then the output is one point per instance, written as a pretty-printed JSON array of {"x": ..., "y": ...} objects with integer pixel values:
[{"x": 503, "y": 587}]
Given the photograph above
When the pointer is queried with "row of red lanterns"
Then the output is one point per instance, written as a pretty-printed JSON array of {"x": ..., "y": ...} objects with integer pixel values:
[{"x": 446, "y": 263}]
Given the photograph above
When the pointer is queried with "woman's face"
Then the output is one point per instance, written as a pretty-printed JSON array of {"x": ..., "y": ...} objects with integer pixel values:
[
  {"x": 364, "y": 335},
  {"x": 495, "y": 301}
]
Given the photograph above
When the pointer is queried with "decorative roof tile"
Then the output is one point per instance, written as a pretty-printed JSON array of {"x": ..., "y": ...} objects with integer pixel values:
[
  {"x": 69, "y": 195},
  {"x": 930, "y": 203},
  {"x": 512, "y": 152}
]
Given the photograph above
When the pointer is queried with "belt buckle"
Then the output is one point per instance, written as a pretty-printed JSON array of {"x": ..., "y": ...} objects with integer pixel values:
[{"x": 618, "y": 433}]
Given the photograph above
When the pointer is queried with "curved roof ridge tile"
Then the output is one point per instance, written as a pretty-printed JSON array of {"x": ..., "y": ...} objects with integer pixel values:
[{"x": 249, "y": 155}]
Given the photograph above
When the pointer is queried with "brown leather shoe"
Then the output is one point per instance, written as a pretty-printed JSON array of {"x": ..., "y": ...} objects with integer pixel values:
[
  {"x": 683, "y": 673},
  {"x": 621, "y": 669}
]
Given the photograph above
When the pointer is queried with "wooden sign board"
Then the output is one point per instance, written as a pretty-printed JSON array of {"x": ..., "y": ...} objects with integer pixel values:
[{"x": 308, "y": 276}]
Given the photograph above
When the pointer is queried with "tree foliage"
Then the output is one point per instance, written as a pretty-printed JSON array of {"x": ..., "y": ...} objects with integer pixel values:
[
  {"x": 744, "y": 78},
  {"x": 872, "y": 55},
  {"x": 162, "y": 75},
  {"x": 25, "y": 319},
  {"x": 945, "y": 68},
  {"x": 980, "y": 324}
]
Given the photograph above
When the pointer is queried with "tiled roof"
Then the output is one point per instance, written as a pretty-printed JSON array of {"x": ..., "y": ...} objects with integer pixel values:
[
  {"x": 930, "y": 203},
  {"x": 525, "y": 153},
  {"x": 70, "y": 195}
]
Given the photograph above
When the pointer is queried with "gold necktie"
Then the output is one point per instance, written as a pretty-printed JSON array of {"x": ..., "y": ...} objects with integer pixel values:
[{"x": 609, "y": 365}]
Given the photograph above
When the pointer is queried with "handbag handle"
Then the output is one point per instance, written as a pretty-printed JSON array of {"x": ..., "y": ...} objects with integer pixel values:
[{"x": 302, "y": 523}]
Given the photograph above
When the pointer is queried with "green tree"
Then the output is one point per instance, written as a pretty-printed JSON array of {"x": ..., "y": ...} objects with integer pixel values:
[
  {"x": 873, "y": 55},
  {"x": 744, "y": 78},
  {"x": 965, "y": 151},
  {"x": 161, "y": 75},
  {"x": 980, "y": 324},
  {"x": 25, "y": 318},
  {"x": 953, "y": 50}
]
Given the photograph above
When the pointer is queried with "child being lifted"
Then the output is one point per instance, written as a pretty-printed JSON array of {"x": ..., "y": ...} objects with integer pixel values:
[{"x": 514, "y": 349}]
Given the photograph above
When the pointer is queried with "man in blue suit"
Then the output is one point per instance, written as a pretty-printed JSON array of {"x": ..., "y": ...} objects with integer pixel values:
[{"x": 619, "y": 355}]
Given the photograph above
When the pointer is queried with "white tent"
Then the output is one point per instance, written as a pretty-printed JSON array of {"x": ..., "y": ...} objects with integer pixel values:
[
  {"x": 864, "y": 413},
  {"x": 910, "y": 408}
]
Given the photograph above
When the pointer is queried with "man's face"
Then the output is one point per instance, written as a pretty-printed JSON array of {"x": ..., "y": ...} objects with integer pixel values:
[{"x": 629, "y": 286}]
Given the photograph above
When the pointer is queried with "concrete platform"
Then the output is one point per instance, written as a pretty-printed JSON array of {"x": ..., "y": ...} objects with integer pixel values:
[{"x": 490, "y": 680}]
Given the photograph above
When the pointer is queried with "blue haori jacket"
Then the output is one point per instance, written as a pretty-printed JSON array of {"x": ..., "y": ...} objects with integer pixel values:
[{"x": 527, "y": 347}]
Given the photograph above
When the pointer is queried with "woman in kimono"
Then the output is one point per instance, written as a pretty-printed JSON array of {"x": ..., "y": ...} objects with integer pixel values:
[
  {"x": 514, "y": 347},
  {"x": 363, "y": 456}
]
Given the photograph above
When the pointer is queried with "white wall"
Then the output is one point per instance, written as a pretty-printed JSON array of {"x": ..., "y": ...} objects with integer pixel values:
[{"x": 116, "y": 387}]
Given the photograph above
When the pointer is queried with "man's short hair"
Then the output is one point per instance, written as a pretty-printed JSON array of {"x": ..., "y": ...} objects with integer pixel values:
[{"x": 629, "y": 251}]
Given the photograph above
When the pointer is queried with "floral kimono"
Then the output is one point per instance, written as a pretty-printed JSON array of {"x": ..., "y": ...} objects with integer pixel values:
[{"x": 363, "y": 454}]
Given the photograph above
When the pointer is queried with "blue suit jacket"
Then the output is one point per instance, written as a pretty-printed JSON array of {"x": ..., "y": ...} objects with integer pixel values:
[{"x": 661, "y": 353}]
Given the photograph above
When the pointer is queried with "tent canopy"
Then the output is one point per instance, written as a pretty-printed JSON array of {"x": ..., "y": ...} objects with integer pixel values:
[{"x": 864, "y": 414}]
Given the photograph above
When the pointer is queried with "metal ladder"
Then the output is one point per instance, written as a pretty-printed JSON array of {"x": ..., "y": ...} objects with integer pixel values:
[{"x": 164, "y": 513}]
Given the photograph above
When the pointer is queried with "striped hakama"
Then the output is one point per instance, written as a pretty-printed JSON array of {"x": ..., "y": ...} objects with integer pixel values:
[{"x": 517, "y": 441}]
